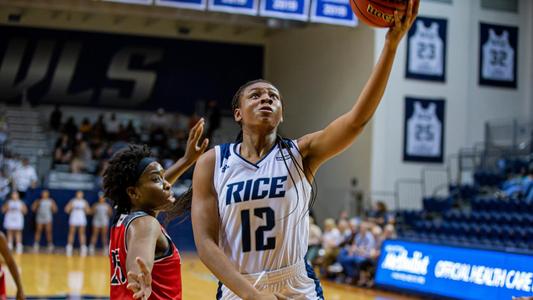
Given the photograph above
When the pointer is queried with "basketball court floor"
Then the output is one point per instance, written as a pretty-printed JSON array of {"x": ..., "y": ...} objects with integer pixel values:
[{"x": 55, "y": 276}]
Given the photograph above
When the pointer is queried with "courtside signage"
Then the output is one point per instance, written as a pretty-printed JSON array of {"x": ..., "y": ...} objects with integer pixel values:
[
  {"x": 245, "y": 7},
  {"x": 145, "y": 2},
  {"x": 189, "y": 4},
  {"x": 285, "y": 9},
  {"x": 336, "y": 12},
  {"x": 453, "y": 271}
]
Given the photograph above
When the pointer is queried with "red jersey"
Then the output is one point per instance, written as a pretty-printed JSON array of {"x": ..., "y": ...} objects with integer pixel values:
[
  {"x": 166, "y": 272},
  {"x": 3, "y": 295}
]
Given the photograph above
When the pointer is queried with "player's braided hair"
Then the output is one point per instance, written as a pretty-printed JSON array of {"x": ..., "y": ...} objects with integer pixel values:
[
  {"x": 282, "y": 143},
  {"x": 121, "y": 174}
]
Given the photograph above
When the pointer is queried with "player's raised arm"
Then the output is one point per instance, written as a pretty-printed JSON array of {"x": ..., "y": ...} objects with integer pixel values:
[
  {"x": 319, "y": 146},
  {"x": 192, "y": 153}
]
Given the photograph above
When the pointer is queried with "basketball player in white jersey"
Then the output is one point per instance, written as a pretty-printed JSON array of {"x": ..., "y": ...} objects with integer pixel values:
[
  {"x": 77, "y": 208},
  {"x": 101, "y": 212},
  {"x": 14, "y": 210},
  {"x": 251, "y": 198},
  {"x": 44, "y": 208}
]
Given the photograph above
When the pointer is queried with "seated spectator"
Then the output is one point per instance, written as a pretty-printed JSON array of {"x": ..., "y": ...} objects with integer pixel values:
[
  {"x": 81, "y": 159},
  {"x": 24, "y": 178},
  {"x": 351, "y": 256},
  {"x": 331, "y": 240},
  {"x": 85, "y": 128},
  {"x": 63, "y": 150},
  {"x": 380, "y": 214},
  {"x": 113, "y": 127},
  {"x": 344, "y": 229},
  {"x": 99, "y": 131},
  {"x": 70, "y": 128},
  {"x": 315, "y": 235}
]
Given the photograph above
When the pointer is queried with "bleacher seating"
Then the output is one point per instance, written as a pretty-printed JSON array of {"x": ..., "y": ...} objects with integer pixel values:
[{"x": 472, "y": 218}]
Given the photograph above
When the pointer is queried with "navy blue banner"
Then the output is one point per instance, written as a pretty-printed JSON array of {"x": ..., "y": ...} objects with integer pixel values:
[
  {"x": 189, "y": 4},
  {"x": 462, "y": 273},
  {"x": 285, "y": 9},
  {"x": 336, "y": 12},
  {"x": 145, "y": 2},
  {"x": 121, "y": 71},
  {"x": 246, "y": 7}
]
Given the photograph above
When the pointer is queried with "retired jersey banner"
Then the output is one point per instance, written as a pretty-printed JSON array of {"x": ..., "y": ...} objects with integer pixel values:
[
  {"x": 246, "y": 7},
  {"x": 285, "y": 9},
  {"x": 426, "y": 49},
  {"x": 498, "y": 52},
  {"x": 336, "y": 12},
  {"x": 189, "y": 4},
  {"x": 423, "y": 130}
]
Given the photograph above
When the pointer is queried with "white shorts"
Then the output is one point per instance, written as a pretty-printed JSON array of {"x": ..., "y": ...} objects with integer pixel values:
[
  {"x": 292, "y": 281},
  {"x": 77, "y": 218},
  {"x": 14, "y": 221},
  {"x": 100, "y": 222}
]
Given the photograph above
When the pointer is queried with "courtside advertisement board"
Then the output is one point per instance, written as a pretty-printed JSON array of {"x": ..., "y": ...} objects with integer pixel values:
[{"x": 456, "y": 272}]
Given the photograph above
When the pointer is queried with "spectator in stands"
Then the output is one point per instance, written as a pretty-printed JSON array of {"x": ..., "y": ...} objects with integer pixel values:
[
  {"x": 4, "y": 186},
  {"x": 331, "y": 240},
  {"x": 70, "y": 128},
  {"x": 81, "y": 159},
  {"x": 77, "y": 208},
  {"x": 315, "y": 236},
  {"x": 63, "y": 150},
  {"x": 44, "y": 209},
  {"x": 85, "y": 128},
  {"x": 351, "y": 256},
  {"x": 24, "y": 178},
  {"x": 344, "y": 229},
  {"x": 158, "y": 120},
  {"x": 14, "y": 210},
  {"x": 131, "y": 132},
  {"x": 99, "y": 131},
  {"x": 379, "y": 214},
  {"x": 55, "y": 118},
  {"x": 113, "y": 127},
  {"x": 101, "y": 212},
  {"x": 12, "y": 163}
]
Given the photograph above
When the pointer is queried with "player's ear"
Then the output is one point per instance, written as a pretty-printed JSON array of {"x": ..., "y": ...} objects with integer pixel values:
[
  {"x": 133, "y": 193},
  {"x": 237, "y": 115}
]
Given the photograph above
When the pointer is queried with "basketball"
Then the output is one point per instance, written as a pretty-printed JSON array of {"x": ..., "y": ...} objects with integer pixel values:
[{"x": 378, "y": 13}]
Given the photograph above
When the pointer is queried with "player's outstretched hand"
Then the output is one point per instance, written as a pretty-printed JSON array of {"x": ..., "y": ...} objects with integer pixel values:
[
  {"x": 140, "y": 284},
  {"x": 402, "y": 25},
  {"x": 193, "y": 151}
]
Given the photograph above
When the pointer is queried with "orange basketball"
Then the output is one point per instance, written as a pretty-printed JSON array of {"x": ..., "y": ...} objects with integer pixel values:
[{"x": 378, "y": 13}]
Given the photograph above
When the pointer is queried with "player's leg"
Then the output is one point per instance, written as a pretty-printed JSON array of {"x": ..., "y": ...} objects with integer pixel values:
[{"x": 82, "y": 238}]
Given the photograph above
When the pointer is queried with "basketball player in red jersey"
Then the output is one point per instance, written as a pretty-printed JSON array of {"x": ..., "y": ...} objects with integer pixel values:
[
  {"x": 11, "y": 265},
  {"x": 140, "y": 188}
]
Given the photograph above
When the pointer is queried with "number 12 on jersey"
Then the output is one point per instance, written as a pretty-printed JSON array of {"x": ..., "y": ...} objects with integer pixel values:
[{"x": 265, "y": 213}]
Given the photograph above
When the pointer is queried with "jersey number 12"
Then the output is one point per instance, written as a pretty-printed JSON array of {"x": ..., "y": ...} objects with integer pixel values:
[{"x": 260, "y": 243}]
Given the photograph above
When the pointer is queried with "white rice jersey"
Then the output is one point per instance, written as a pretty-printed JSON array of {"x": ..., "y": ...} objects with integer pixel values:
[
  {"x": 498, "y": 57},
  {"x": 263, "y": 208}
]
